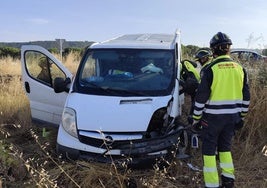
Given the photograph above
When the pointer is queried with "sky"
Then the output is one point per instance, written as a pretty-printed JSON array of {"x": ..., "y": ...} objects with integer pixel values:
[{"x": 244, "y": 21}]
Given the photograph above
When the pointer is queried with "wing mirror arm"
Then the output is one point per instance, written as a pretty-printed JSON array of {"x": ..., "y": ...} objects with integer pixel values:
[{"x": 61, "y": 84}]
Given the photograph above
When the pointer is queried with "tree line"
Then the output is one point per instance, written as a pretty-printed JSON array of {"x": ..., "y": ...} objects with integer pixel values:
[
  {"x": 14, "y": 52},
  {"x": 12, "y": 49}
]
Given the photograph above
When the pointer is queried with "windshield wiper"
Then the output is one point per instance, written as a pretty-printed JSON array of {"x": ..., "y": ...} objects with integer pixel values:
[{"x": 115, "y": 91}]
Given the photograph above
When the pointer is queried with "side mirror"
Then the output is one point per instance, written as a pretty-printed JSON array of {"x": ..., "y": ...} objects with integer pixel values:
[{"x": 60, "y": 84}]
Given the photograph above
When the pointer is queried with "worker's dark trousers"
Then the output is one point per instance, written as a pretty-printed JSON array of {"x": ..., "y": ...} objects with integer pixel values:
[{"x": 217, "y": 134}]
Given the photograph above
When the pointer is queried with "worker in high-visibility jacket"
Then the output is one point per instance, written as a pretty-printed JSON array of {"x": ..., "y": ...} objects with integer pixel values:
[
  {"x": 191, "y": 76},
  {"x": 189, "y": 80},
  {"x": 204, "y": 57},
  {"x": 221, "y": 103}
]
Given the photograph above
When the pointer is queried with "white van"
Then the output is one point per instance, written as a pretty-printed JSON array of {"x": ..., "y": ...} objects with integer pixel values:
[{"x": 124, "y": 101}]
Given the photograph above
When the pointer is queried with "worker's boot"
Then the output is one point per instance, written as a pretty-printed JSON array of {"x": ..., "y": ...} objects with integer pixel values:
[{"x": 227, "y": 182}]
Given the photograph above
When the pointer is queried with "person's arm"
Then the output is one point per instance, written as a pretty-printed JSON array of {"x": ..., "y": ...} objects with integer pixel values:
[
  {"x": 246, "y": 96},
  {"x": 203, "y": 94}
]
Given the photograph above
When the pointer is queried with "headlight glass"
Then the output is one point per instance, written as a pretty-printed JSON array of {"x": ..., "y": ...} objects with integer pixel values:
[{"x": 69, "y": 121}]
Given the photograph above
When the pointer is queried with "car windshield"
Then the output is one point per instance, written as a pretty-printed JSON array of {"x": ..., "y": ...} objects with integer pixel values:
[{"x": 126, "y": 72}]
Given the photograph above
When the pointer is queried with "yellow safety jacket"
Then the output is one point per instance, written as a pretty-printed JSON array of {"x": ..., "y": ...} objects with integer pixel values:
[
  {"x": 188, "y": 67},
  {"x": 223, "y": 89},
  {"x": 190, "y": 77}
]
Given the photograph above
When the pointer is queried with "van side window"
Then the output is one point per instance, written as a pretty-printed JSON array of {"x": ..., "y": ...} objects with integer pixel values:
[{"x": 41, "y": 68}]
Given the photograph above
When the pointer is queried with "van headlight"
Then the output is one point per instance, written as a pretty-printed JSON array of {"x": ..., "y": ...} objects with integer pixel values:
[{"x": 69, "y": 122}]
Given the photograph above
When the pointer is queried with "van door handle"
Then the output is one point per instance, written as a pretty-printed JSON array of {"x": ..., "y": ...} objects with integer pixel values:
[{"x": 27, "y": 87}]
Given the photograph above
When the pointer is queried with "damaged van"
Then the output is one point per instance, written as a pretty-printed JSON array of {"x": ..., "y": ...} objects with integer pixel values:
[{"x": 122, "y": 103}]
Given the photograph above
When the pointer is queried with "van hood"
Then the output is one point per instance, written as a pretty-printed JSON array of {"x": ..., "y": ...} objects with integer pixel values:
[{"x": 114, "y": 114}]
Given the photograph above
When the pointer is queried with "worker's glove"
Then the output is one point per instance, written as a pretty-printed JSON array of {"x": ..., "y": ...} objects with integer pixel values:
[
  {"x": 239, "y": 125},
  {"x": 196, "y": 126}
]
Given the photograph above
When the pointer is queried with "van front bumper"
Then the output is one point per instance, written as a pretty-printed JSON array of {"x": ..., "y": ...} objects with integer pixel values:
[{"x": 134, "y": 150}]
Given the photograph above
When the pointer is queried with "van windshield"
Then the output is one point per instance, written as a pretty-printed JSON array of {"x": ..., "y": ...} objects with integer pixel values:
[{"x": 126, "y": 72}]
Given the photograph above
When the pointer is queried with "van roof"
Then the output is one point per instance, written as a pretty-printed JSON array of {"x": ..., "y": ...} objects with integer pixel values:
[{"x": 142, "y": 41}]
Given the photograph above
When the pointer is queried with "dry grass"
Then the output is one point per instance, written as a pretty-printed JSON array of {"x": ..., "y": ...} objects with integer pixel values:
[
  {"x": 29, "y": 160},
  {"x": 13, "y": 101}
]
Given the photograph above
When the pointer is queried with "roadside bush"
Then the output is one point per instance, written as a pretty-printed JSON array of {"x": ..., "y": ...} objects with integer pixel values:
[{"x": 9, "y": 51}]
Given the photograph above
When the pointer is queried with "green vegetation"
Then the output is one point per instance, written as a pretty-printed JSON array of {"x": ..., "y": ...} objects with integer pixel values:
[
  {"x": 264, "y": 52},
  {"x": 189, "y": 51},
  {"x": 9, "y": 51},
  {"x": 13, "y": 49}
]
